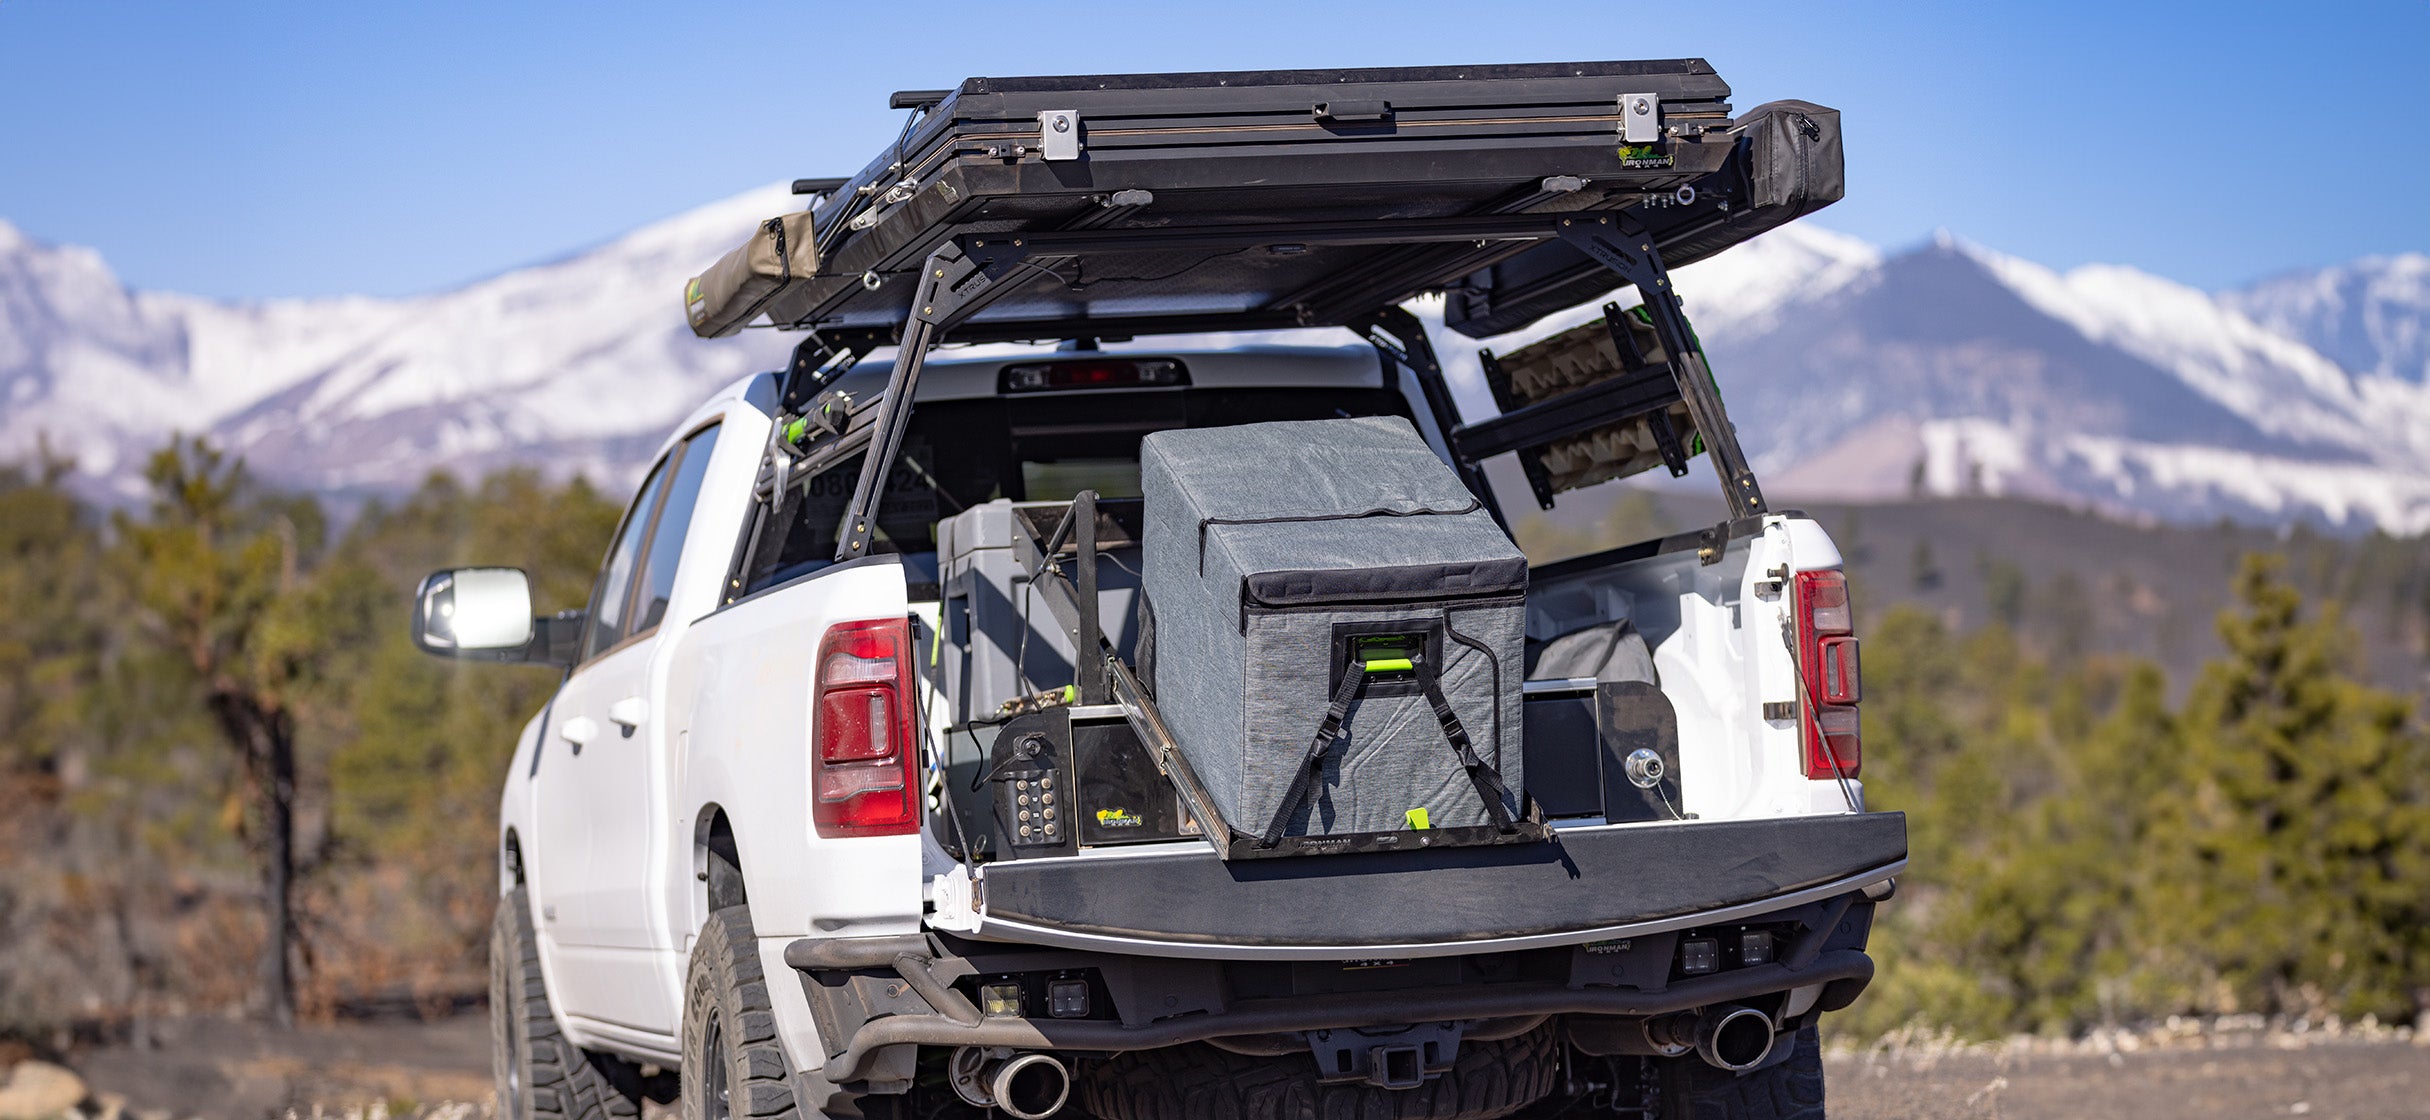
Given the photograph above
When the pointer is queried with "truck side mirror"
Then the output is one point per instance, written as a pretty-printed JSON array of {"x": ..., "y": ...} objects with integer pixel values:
[{"x": 485, "y": 614}]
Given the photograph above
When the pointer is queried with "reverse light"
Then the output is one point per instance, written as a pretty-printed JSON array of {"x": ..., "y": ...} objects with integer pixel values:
[
  {"x": 1093, "y": 373},
  {"x": 1000, "y": 998},
  {"x": 863, "y": 771},
  {"x": 1067, "y": 999},
  {"x": 1755, "y": 947},
  {"x": 1831, "y": 675},
  {"x": 1839, "y": 679}
]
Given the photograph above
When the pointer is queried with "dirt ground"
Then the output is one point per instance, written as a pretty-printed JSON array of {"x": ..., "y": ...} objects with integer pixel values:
[
  {"x": 221, "y": 1069},
  {"x": 2228, "y": 1079},
  {"x": 396, "y": 1070}
]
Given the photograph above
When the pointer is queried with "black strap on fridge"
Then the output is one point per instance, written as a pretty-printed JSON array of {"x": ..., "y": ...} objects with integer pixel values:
[{"x": 1487, "y": 780}]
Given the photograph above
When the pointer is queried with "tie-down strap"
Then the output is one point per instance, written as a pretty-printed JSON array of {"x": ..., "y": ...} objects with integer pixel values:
[{"x": 1487, "y": 780}]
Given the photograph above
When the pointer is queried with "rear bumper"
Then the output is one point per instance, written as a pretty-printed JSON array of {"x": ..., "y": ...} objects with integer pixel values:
[
  {"x": 1841, "y": 975},
  {"x": 1587, "y": 884},
  {"x": 1179, "y": 946}
]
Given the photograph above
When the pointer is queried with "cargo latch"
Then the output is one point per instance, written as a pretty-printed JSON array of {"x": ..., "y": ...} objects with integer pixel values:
[
  {"x": 1059, "y": 133},
  {"x": 1640, "y": 118}
]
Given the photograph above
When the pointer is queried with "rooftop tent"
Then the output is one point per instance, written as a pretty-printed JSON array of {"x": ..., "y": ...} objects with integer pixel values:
[
  {"x": 1115, "y": 206},
  {"x": 1452, "y": 170}
]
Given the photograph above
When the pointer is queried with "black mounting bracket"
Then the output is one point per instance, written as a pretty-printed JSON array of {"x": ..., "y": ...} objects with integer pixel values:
[
  {"x": 968, "y": 272},
  {"x": 954, "y": 285},
  {"x": 1531, "y": 464},
  {"x": 1071, "y": 596},
  {"x": 1633, "y": 257},
  {"x": 1647, "y": 392},
  {"x": 1657, "y": 422}
]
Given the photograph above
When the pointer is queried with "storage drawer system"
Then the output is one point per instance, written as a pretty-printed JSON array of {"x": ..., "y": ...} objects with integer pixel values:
[{"x": 1088, "y": 766}]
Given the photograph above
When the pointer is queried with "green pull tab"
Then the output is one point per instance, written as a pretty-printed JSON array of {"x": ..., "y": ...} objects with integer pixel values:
[
  {"x": 1390, "y": 665},
  {"x": 1417, "y": 819}
]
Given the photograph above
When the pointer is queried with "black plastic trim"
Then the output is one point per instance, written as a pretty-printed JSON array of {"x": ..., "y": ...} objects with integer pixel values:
[
  {"x": 1584, "y": 878},
  {"x": 1843, "y": 972},
  {"x": 805, "y": 577}
]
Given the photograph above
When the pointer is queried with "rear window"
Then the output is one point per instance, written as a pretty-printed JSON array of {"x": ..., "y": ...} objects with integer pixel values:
[{"x": 959, "y": 454}]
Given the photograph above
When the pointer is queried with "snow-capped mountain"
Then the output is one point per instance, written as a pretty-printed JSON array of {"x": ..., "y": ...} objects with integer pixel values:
[
  {"x": 2101, "y": 386},
  {"x": 575, "y": 365},
  {"x": 1851, "y": 373},
  {"x": 2371, "y": 316},
  {"x": 1950, "y": 368}
]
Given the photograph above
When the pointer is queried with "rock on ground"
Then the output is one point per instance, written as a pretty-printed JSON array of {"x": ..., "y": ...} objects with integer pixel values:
[{"x": 39, "y": 1091}]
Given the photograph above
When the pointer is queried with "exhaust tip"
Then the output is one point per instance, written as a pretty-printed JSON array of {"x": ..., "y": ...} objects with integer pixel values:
[
  {"x": 1031, "y": 1087},
  {"x": 1736, "y": 1039}
]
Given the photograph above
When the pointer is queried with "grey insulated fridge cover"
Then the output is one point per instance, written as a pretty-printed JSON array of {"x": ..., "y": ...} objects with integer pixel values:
[{"x": 1333, "y": 567}]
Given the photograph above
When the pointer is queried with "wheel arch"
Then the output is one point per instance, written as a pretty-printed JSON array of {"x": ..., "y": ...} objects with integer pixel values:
[
  {"x": 717, "y": 863},
  {"x": 510, "y": 861}
]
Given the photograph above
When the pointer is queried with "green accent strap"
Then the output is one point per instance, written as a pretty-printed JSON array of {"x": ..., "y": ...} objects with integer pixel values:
[{"x": 1388, "y": 665}]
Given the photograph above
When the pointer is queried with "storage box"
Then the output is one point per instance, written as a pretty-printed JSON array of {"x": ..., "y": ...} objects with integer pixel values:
[
  {"x": 1001, "y": 641},
  {"x": 1289, "y": 566}
]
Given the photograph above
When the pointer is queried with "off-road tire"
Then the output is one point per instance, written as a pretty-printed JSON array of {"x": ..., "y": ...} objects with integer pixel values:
[
  {"x": 1201, "y": 1082},
  {"x": 733, "y": 1066},
  {"x": 1791, "y": 1090},
  {"x": 540, "y": 1074}
]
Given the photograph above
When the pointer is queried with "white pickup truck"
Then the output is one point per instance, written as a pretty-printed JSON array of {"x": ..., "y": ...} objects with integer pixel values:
[
  {"x": 727, "y": 850},
  {"x": 858, "y": 799}
]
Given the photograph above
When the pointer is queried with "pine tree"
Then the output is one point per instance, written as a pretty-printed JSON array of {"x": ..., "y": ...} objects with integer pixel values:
[
  {"x": 415, "y": 789},
  {"x": 2296, "y": 854},
  {"x": 217, "y": 571},
  {"x": 50, "y": 622},
  {"x": 2053, "y": 913}
]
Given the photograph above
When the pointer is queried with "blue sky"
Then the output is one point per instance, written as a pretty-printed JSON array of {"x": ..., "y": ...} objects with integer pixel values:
[{"x": 256, "y": 150}]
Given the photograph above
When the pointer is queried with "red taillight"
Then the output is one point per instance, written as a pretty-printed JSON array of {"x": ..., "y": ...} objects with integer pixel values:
[
  {"x": 1831, "y": 674},
  {"x": 864, "y": 774}
]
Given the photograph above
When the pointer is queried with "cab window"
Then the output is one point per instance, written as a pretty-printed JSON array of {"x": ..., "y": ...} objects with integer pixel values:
[
  {"x": 674, "y": 525},
  {"x": 608, "y": 598}
]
